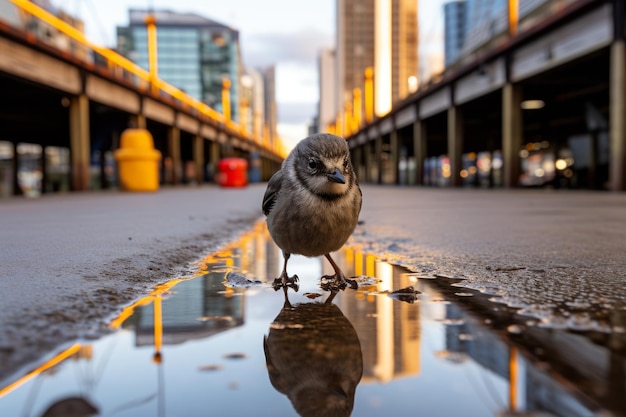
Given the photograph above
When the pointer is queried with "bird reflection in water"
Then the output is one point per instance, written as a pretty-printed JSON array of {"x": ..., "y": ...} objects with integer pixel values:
[
  {"x": 71, "y": 407},
  {"x": 313, "y": 356}
]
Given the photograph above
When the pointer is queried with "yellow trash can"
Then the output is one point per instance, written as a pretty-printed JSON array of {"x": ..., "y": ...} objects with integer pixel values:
[{"x": 138, "y": 161}]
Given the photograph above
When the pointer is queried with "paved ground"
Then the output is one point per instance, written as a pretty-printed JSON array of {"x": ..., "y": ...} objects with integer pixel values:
[
  {"x": 560, "y": 256},
  {"x": 68, "y": 261}
]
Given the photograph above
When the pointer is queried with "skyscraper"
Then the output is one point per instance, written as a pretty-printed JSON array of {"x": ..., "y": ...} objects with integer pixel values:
[
  {"x": 194, "y": 53},
  {"x": 271, "y": 112},
  {"x": 486, "y": 20},
  {"x": 454, "y": 28},
  {"x": 382, "y": 34},
  {"x": 327, "y": 110}
]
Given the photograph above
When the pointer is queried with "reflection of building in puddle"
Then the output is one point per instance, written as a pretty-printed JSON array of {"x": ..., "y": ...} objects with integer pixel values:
[
  {"x": 254, "y": 254},
  {"x": 529, "y": 387},
  {"x": 205, "y": 306},
  {"x": 389, "y": 330},
  {"x": 200, "y": 308},
  {"x": 484, "y": 347}
]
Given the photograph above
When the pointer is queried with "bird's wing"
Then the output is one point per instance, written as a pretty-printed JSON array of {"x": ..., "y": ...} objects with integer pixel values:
[{"x": 273, "y": 187}]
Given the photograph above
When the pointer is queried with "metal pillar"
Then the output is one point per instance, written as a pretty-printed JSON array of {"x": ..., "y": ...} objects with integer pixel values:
[
  {"x": 419, "y": 150},
  {"x": 394, "y": 157},
  {"x": 511, "y": 133},
  {"x": 214, "y": 156},
  {"x": 198, "y": 157},
  {"x": 79, "y": 142},
  {"x": 138, "y": 121},
  {"x": 173, "y": 138},
  {"x": 617, "y": 163},
  {"x": 455, "y": 144},
  {"x": 379, "y": 160},
  {"x": 357, "y": 161}
]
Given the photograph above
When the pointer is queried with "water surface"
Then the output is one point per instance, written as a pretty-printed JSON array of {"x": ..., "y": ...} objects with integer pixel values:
[{"x": 225, "y": 343}]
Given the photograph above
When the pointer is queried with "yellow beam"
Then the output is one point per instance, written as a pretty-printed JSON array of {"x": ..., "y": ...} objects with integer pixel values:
[
  {"x": 513, "y": 16},
  {"x": 153, "y": 64},
  {"x": 369, "y": 95},
  {"x": 226, "y": 99}
]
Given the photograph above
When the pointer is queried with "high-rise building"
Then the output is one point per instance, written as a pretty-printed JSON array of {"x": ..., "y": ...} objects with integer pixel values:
[
  {"x": 454, "y": 30},
  {"x": 271, "y": 111},
  {"x": 382, "y": 34},
  {"x": 194, "y": 53},
  {"x": 404, "y": 38},
  {"x": 256, "y": 104},
  {"x": 327, "y": 108},
  {"x": 486, "y": 20}
]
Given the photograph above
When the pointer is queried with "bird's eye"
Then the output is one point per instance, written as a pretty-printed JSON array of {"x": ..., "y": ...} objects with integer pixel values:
[{"x": 312, "y": 163}]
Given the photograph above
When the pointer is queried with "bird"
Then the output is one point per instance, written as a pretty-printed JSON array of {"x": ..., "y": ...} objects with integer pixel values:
[
  {"x": 313, "y": 356},
  {"x": 312, "y": 204}
]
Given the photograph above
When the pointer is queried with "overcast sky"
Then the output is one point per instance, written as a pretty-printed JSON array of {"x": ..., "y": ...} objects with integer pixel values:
[{"x": 284, "y": 33}]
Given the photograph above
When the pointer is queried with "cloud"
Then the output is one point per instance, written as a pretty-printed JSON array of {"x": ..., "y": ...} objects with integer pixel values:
[
  {"x": 264, "y": 49},
  {"x": 293, "y": 113},
  {"x": 297, "y": 82},
  {"x": 291, "y": 134}
]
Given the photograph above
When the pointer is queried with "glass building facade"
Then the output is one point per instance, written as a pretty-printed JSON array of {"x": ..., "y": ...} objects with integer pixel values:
[
  {"x": 454, "y": 36},
  {"x": 194, "y": 54}
]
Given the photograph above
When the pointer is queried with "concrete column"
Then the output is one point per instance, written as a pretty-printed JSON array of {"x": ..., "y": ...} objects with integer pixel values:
[
  {"x": 394, "y": 155},
  {"x": 214, "y": 156},
  {"x": 79, "y": 142},
  {"x": 455, "y": 144},
  {"x": 379, "y": 159},
  {"x": 173, "y": 140},
  {"x": 367, "y": 149},
  {"x": 16, "y": 164},
  {"x": 198, "y": 157},
  {"x": 138, "y": 121},
  {"x": 617, "y": 162},
  {"x": 357, "y": 161},
  {"x": 511, "y": 133},
  {"x": 419, "y": 150}
]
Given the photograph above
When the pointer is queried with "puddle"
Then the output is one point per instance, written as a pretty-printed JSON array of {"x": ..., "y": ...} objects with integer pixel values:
[{"x": 401, "y": 345}]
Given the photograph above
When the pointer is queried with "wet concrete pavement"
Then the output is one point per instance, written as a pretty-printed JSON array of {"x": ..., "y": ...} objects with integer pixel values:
[
  {"x": 559, "y": 256},
  {"x": 69, "y": 262}
]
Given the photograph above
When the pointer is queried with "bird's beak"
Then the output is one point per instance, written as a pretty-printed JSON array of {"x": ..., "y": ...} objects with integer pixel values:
[{"x": 336, "y": 177}]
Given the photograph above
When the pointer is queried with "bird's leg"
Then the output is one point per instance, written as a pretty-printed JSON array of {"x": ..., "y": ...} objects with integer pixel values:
[
  {"x": 284, "y": 280},
  {"x": 340, "y": 279}
]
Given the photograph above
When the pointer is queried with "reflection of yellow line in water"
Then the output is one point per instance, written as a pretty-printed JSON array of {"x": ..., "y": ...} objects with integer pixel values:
[
  {"x": 513, "y": 368},
  {"x": 224, "y": 255},
  {"x": 158, "y": 328},
  {"x": 143, "y": 301},
  {"x": 45, "y": 366}
]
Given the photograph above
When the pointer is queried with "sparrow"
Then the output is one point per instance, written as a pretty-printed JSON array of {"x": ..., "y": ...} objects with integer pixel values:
[
  {"x": 313, "y": 356},
  {"x": 313, "y": 203}
]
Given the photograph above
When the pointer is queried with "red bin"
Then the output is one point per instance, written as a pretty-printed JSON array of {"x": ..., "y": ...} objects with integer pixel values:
[{"x": 233, "y": 172}]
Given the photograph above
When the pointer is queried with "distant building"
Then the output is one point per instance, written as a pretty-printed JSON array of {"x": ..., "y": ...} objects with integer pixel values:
[
  {"x": 380, "y": 34},
  {"x": 194, "y": 53},
  {"x": 454, "y": 30},
  {"x": 270, "y": 108},
  {"x": 486, "y": 22},
  {"x": 255, "y": 102},
  {"x": 327, "y": 106}
]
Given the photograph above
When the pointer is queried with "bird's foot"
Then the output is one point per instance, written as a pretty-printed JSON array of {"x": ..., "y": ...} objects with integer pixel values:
[
  {"x": 337, "y": 283},
  {"x": 285, "y": 281}
]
